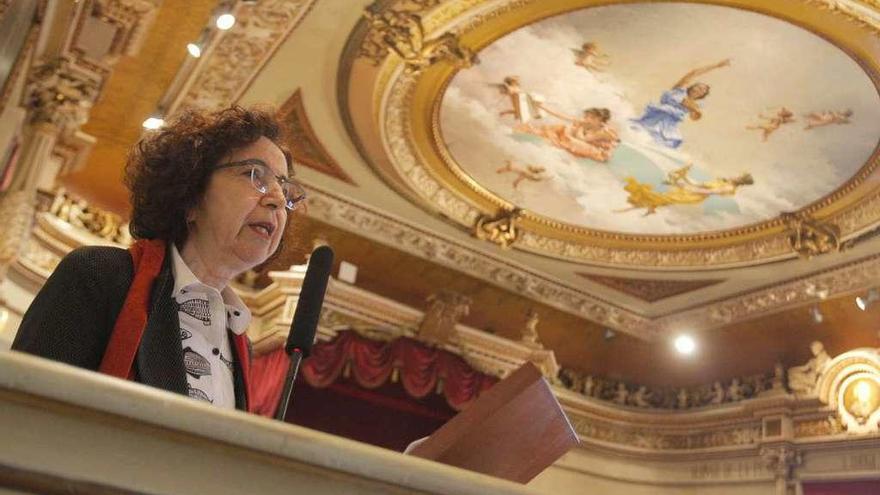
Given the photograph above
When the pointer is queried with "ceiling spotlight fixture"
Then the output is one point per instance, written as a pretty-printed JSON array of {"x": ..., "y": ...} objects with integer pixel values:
[
  {"x": 870, "y": 297},
  {"x": 817, "y": 315},
  {"x": 225, "y": 21},
  {"x": 153, "y": 122},
  {"x": 609, "y": 334},
  {"x": 194, "y": 50},
  {"x": 685, "y": 344}
]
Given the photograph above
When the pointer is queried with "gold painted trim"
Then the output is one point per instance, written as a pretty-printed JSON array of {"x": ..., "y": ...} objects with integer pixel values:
[
  {"x": 434, "y": 176},
  {"x": 535, "y": 222}
]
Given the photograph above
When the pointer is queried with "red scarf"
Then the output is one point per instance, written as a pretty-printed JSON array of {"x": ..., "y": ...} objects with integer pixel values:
[{"x": 147, "y": 257}]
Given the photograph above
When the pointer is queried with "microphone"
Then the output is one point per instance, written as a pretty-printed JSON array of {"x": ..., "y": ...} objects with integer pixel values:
[{"x": 305, "y": 320}]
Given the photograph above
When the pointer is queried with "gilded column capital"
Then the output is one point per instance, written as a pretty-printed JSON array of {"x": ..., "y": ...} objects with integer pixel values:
[{"x": 60, "y": 93}]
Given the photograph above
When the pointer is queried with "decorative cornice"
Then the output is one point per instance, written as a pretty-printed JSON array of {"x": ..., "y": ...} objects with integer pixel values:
[
  {"x": 228, "y": 69},
  {"x": 345, "y": 213},
  {"x": 650, "y": 290},
  {"x": 743, "y": 437},
  {"x": 855, "y": 276},
  {"x": 357, "y": 218}
]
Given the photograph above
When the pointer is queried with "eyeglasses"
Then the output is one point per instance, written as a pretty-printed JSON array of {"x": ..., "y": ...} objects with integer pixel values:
[{"x": 261, "y": 174}]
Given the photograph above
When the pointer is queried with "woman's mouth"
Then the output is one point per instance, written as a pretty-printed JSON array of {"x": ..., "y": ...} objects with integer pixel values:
[{"x": 264, "y": 229}]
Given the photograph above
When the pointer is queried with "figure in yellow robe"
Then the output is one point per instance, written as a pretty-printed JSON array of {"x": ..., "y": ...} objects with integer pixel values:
[{"x": 683, "y": 190}]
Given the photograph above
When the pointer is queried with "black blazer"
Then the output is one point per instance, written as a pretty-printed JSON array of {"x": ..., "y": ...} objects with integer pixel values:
[{"x": 72, "y": 316}]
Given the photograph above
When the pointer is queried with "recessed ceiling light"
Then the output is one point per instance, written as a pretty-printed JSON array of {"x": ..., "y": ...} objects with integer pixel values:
[
  {"x": 685, "y": 344},
  {"x": 817, "y": 315},
  {"x": 194, "y": 49},
  {"x": 153, "y": 123},
  {"x": 870, "y": 297},
  {"x": 225, "y": 21}
]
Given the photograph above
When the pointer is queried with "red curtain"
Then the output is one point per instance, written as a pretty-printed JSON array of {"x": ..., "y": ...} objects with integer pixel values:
[
  {"x": 267, "y": 378},
  {"x": 861, "y": 487},
  {"x": 421, "y": 370}
]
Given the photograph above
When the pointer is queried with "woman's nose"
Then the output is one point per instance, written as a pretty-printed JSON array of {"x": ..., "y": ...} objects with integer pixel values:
[{"x": 274, "y": 196}]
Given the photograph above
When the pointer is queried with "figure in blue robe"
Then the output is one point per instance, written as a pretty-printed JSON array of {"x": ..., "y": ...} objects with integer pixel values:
[{"x": 661, "y": 120}]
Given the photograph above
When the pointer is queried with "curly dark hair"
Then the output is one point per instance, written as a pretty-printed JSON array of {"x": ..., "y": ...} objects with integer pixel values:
[{"x": 168, "y": 171}]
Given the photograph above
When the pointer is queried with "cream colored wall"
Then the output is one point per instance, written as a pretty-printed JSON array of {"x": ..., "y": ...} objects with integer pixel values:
[
  {"x": 556, "y": 480},
  {"x": 591, "y": 470}
]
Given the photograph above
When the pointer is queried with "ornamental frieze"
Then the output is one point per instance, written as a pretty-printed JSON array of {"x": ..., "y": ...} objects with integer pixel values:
[
  {"x": 654, "y": 439},
  {"x": 858, "y": 275},
  {"x": 226, "y": 71}
]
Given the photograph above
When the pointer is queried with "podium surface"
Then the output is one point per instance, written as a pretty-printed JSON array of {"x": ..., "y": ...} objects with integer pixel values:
[{"x": 67, "y": 430}]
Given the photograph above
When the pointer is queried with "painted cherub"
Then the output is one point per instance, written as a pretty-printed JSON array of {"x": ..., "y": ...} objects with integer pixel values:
[
  {"x": 771, "y": 124},
  {"x": 827, "y": 117},
  {"x": 589, "y": 136},
  {"x": 533, "y": 173},
  {"x": 589, "y": 57},
  {"x": 524, "y": 106}
]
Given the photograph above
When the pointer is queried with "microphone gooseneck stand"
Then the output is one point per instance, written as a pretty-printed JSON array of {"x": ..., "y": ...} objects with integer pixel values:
[{"x": 305, "y": 320}]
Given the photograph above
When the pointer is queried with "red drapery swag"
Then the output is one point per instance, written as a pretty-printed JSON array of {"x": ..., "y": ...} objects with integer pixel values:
[{"x": 421, "y": 369}]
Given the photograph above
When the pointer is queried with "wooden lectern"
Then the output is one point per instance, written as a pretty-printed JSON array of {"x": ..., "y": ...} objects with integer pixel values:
[{"x": 514, "y": 430}]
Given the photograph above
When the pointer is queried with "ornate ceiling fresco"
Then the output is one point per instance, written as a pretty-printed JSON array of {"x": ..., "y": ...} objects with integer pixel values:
[
  {"x": 660, "y": 135},
  {"x": 653, "y": 129}
]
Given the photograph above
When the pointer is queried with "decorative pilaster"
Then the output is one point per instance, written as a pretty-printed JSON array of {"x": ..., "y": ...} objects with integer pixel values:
[
  {"x": 782, "y": 460},
  {"x": 58, "y": 98}
]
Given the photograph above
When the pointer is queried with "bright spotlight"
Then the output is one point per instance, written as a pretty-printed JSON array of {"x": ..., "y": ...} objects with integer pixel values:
[
  {"x": 194, "y": 50},
  {"x": 225, "y": 21},
  {"x": 153, "y": 123},
  {"x": 685, "y": 344},
  {"x": 870, "y": 297},
  {"x": 817, "y": 315}
]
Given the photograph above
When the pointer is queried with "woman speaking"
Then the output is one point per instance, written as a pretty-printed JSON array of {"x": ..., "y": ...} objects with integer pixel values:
[{"x": 210, "y": 198}]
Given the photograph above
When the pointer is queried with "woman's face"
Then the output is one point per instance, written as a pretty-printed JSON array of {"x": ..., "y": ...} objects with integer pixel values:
[{"x": 234, "y": 224}]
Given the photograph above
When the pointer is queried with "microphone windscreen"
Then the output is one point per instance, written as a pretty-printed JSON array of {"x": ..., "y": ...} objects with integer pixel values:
[{"x": 311, "y": 297}]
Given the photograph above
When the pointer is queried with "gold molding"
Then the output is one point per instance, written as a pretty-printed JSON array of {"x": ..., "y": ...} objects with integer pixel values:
[
  {"x": 417, "y": 164},
  {"x": 500, "y": 229}
]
